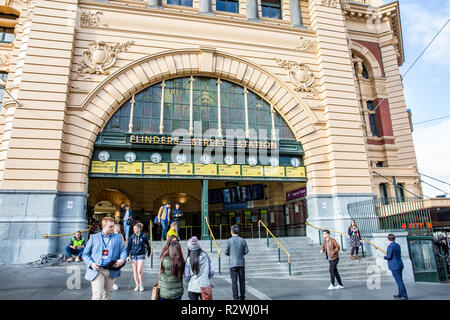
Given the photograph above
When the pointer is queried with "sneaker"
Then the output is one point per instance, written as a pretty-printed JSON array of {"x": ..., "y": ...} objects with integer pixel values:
[
  {"x": 70, "y": 259},
  {"x": 331, "y": 287},
  {"x": 357, "y": 257},
  {"x": 351, "y": 258},
  {"x": 339, "y": 287},
  {"x": 77, "y": 259},
  {"x": 115, "y": 287},
  {"x": 136, "y": 289},
  {"x": 141, "y": 288}
]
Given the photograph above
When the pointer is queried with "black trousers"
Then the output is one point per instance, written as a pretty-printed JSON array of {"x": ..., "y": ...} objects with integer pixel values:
[
  {"x": 355, "y": 249},
  {"x": 194, "y": 296},
  {"x": 334, "y": 271},
  {"x": 235, "y": 274}
]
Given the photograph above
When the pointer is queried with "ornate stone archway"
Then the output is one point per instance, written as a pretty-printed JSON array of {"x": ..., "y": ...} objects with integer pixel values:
[{"x": 115, "y": 90}]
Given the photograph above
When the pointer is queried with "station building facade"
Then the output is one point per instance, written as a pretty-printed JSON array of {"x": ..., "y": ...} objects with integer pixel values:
[{"x": 273, "y": 110}]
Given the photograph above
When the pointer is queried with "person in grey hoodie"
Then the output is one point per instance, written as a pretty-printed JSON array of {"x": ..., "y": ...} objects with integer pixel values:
[
  {"x": 198, "y": 269},
  {"x": 236, "y": 249}
]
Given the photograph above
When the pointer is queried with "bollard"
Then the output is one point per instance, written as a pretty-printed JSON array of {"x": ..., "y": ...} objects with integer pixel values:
[
  {"x": 290, "y": 272},
  {"x": 219, "y": 266},
  {"x": 267, "y": 236},
  {"x": 210, "y": 241},
  {"x": 151, "y": 261},
  {"x": 259, "y": 230},
  {"x": 279, "y": 254},
  {"x": 362, "y": 249},
  {"x": 342, "y": 243},
  {"x": 320, "y": 238}
]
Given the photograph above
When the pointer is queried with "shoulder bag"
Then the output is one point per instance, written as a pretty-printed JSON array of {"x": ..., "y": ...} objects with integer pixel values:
[{"x": 155, "y": 290}]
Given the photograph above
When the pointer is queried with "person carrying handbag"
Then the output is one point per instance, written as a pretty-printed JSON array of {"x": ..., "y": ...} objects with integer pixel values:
[
  {"x": 355, "y": 239},
  {"x": 197, "y": 272}
]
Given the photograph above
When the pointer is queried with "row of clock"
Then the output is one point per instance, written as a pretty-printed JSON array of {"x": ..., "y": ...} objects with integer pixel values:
[{"x": 206, "y": 159}]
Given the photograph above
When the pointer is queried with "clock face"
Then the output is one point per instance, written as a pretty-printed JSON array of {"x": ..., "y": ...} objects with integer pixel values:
[
  {"x": 295, "y": 162},
  {"x": 130, "y": 156},
  {"x": 229, "y": 160},
  {"x": 103, "y": 156},
  {"x": 252, "y": 161},
  {"x": 181, "y": 158},
  {"x": 274, "y": 162},
  {"x": 206, "y": 159},
  {"x": 156, "y": 157}
]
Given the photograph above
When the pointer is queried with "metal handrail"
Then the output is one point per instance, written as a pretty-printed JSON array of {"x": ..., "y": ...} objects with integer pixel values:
[
  {"x": 342, "y": 233},
  {"x": 64, "y": 235},
  {"x": 212, "y": 235},
  {"x": 279, "y": 244},
  {"x": 151, "y": 243}
]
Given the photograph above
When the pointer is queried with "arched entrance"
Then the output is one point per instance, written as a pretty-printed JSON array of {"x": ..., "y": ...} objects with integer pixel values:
[{"x": 212, "y": 140}]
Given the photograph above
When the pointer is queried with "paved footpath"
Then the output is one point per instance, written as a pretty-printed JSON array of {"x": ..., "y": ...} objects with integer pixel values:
[{"x": 25, "y": 282}]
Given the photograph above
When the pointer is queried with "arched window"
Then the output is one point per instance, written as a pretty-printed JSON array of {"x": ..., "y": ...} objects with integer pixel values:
[{"x": 233, "y": 107}]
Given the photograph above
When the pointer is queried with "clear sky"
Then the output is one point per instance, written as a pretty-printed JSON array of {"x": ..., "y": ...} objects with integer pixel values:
[{"x": 427, "y": 86}]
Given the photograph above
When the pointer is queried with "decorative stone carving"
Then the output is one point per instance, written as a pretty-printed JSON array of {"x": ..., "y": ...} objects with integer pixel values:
[
  {"x": 329, "y": 3},
  {"x": 91, "y": 18},
  {"x": 358, "y": 62},
  {"x": 101, "y": 56},
  {"x": 307, "y": 45},
  {"x": 300, "y": 75},
  {"x": 5, "y": 59}
]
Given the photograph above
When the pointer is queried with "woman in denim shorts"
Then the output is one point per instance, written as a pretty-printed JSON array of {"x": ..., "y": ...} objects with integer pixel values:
[{"x": 136, "y": 253}]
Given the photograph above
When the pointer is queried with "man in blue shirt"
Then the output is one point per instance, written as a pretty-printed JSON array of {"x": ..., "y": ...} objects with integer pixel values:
[
  {"x": 101, "y": 249},
  {"x": 395, "y": 264},
  {"x": 164, "y": 219}
]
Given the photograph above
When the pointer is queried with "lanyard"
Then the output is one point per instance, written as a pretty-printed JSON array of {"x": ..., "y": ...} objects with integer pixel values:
[{"x": 106, "y": 245}]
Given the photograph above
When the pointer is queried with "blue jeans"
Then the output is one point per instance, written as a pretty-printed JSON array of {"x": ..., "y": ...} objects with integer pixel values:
[
  {"x": 397, "y": 274},
  {"x": 75, "y": 252},
  {"x": 165, "y": 228},
  {"x": 126, "y": 229}
]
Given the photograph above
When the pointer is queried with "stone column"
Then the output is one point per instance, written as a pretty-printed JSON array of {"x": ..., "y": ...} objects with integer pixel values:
[
  {"x": 296, "y": 15},
  {"x": 205, "y": 7},
  {"x": 252, "y": 10}
]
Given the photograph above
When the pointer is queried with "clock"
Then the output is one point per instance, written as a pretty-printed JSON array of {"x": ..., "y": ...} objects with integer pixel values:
[
  {"x": 103, "y": 156},
  {"x": 130, "y": 157},
  {"x": 229, "y": 160},
  {"x": 206, "y": 159},
  {"x": 181, "y": 158},
  {"x": 274, "y": 162},
  {"x": 295, "y": 162},
  {"x": 252, "y": 161},
  {"x": 156, "y": 157}
]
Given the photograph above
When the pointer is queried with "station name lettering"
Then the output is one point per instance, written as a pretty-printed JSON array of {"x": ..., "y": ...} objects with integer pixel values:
[{"x": 205, "y": 142}]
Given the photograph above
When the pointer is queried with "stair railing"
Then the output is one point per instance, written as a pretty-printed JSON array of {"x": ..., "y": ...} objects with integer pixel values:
[
  {"x": 212, "y": 238},
  {"x": 278, "y": 242},
  {"x": 341, "y": 233}
]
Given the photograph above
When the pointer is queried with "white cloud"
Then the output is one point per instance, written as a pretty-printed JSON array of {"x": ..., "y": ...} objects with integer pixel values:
[
  {"x": 432, "y": 145},
  {"x": 421, "y": 22}
]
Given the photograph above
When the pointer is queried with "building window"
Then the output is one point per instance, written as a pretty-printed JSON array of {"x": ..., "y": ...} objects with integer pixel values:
[
  {"x": 400, "y": 192},
  {"x": 186, "y": 3},
  {"x": 227, "y": 5},
  {"x": 6, "y": 35},
  {"x": 372, "y": 119},
  {"x": 380, "y": 164},
  {"x": 3, "y": 77},
  {"x": 146, "y": 111},
  {"x": 271, "y": 9},
  {"x": 383, "y": 194}
]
